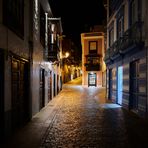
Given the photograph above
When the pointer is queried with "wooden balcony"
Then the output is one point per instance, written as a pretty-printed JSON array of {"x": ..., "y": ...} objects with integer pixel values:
[
  {"x": 93, "y": 67},
  {"x": 93, "y": 62},
  {"x": 53, "y": 56},
  {"x": 53, "y": 53}
]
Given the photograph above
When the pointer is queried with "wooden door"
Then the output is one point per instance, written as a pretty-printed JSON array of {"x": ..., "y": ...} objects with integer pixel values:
[
  {"x": 1, "y": 95},
  {"x": 50, "y": 86},
  {"x": 42, "y": 88},
  {"x": 134, "y": 79},
  {"x": 57, "y": 84},
  {"x": 20, "y": 93},
  {"x": 54, "y": 85}
]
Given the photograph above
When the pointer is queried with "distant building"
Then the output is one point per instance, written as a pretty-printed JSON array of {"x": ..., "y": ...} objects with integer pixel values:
[
  {"x": 93, "y": 66},
  {"x": 127, "y": 54}
]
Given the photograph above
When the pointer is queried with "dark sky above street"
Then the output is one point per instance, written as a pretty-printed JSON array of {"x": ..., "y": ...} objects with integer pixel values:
[{"x": 77, "y": 15}]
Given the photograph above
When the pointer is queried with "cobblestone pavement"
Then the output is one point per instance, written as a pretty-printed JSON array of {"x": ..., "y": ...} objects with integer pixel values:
[
  {"x": 84, "y": 120},
  {"x": 80, "y": 117}
]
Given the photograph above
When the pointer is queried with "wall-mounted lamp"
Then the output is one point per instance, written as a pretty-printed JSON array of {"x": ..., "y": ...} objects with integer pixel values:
[{"x": 66, "y": 54}]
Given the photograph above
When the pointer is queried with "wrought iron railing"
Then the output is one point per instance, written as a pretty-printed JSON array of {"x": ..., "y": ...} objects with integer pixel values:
[
  {"x": 132, "y": 37},
  {"x": 113, "y": 49},
  {"x": 53, "y": 53}
]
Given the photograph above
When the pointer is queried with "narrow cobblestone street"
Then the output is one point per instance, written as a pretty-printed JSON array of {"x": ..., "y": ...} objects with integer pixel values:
[{"x": 83, "y": 119}]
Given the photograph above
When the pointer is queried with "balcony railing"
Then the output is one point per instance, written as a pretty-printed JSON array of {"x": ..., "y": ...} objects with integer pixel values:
[
  {"x": 53, "y": 53},
  {"x": 53, "y": 56},
  {"x": 114, "y": 50},
  {"x": 131, "y": 38}
]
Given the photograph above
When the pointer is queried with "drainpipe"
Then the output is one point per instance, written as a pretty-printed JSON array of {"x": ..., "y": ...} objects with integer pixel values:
[
  {"x": 146, "y": 23},
  {"x": 146, "y": 48},
  {"x": 46, "y": 36},
  {"x": 146, "y": 82}
]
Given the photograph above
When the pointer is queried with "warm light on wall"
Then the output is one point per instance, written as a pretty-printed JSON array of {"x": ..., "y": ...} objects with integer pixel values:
[
  {"x": 66, "y": 54},
  {"x": 91, "y": 73}
]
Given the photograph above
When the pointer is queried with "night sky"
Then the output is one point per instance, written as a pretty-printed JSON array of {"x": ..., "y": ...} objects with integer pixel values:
[{"x": 78, "y": 15}]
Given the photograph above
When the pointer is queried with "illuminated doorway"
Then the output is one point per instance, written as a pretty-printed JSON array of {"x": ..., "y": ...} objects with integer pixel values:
[
  {"x": 110, "y": 87},
  {"x": 120, "y": 85},
  {"x": 92, "y": 79}
]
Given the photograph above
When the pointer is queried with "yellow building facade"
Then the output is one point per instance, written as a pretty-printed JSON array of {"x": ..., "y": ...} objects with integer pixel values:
[{"x": 93, "y": 66}]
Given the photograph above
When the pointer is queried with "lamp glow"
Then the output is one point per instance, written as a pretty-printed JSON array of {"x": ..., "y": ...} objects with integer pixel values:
[{"x": 67, "y": 54}]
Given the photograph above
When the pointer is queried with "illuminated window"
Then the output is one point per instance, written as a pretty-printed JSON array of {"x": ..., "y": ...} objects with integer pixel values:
[{"x": 93, "y": 47}]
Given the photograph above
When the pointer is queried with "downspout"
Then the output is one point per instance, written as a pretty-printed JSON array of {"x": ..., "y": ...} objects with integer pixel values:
[
  {"x": 146, "y": 47},
  {"x": 146, "y": 82},
  {"x": 143, "y": 37},
  {"x": 46, "y": 36}
]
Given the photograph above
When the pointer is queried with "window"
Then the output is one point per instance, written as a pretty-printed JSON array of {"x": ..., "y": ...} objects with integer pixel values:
[
  {"x": 120, "y": 27},
  {"x": 111, "y": 36},
  {"x": 13, "y": 16},
  {"x": 93, "y": 47},
  {"x": 53, "y": 34},
  {"x": 110, "y": 8},
  {"x": 134, "y": 10},
  {"x": 42, "y": 26}
]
